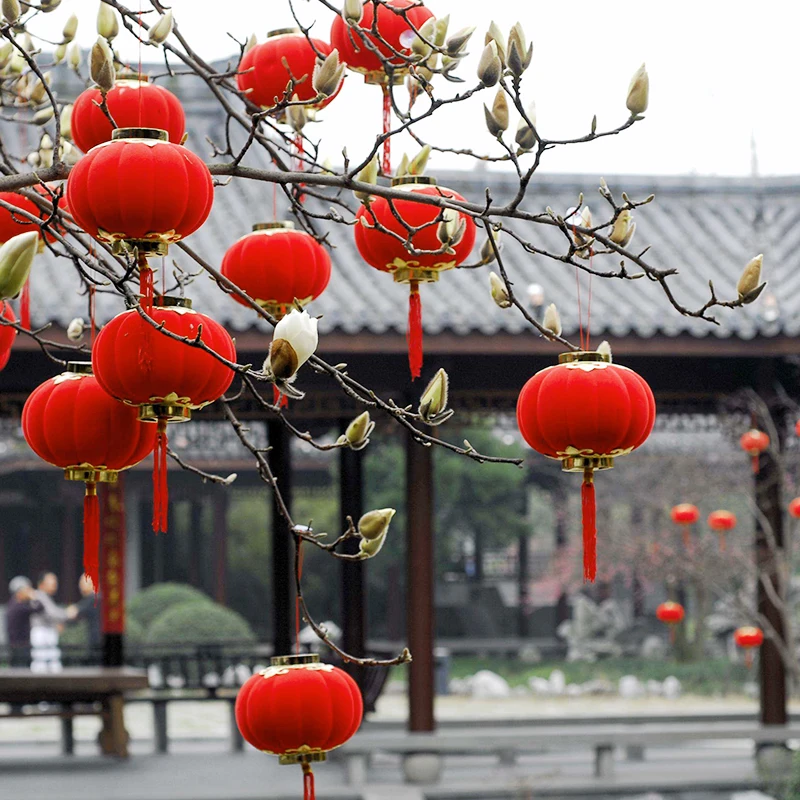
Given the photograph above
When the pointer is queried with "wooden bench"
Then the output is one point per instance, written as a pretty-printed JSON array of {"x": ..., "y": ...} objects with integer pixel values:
[
  {"x": 506, "y": 743},
  {"x": 73, "y": 692}
]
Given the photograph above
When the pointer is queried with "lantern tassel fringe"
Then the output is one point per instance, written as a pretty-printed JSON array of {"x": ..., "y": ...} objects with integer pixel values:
[
  {"x": 25, "y": 305},
  {"x": 753, "y": 461},
  {"x": 589, "y": 513},
  {"x": 387, "y": 126},
  {"x": 748, "y": 659},
  {"x": 91, "y": 536},
  {"x": 308, "y": 783},
  {"x": 160, "y": 485},
  {"x": 414, "y": 335}
]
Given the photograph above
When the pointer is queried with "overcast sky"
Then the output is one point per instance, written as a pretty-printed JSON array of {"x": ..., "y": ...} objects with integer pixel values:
[{"x": 721, "y": 74}]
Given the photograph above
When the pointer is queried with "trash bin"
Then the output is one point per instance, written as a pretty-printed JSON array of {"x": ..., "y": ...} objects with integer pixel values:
[{"x": 441, "y": 670}]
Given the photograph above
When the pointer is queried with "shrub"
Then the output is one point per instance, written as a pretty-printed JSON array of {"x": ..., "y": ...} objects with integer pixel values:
[
  {"x": 199, "y": 623},
  {"x": 77, "y": 635},
  {"x": 149, "y": 604}
]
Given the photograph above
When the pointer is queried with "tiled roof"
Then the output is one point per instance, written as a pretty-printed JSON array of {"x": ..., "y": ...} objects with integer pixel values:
[{"x": 708, "y": 228}]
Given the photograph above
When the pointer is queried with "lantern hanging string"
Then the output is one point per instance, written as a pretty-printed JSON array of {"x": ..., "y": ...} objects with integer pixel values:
[
  {"x": 723, "y": 545},
  {"x": 687, "y": 537},
  {"x": 92, "y": 303},
  {"x": 146, "y": 301},
  {"x": 299, "y": 557},
  {"x": 91, "y": 535},
  {"x": 160, "y": 485},
  {"x": 414, "y": 334},
  {"x": 589, "y": 514},
  {"x": 308, "y": 782},
  {"x": 387, "y": 126},
  {"x": 580, "y": 312},
  {"x": 25, "y": 305}
]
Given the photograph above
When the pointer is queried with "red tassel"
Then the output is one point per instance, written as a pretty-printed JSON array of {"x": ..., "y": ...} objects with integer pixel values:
[
  {"x": 589, "y": 512},
  {"x": 160, "y": 486},
  {"x": 278, "y": 398},
  {"x": 414, "y": 335},
  {"x": 748, "y": 659},
  {"x": 754, "y": 459},
  {"x": 387, "y": 126},
  {"x": 308, "y": 783},
  {"x": 687, "y": 537},
  {"x": 91, "y": 536},
  {"x": 25, "y": 305}
]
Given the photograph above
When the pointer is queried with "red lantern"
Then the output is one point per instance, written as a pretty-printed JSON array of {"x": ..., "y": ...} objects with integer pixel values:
[
  {"x": 396, "y": 36},
  {"x": 266, "y": 69},
  {"x": 164, "y": 377},
  {"x": 132, "y": 103},
  {"x": 70, "y": 422},
  {"x": 748, "y": 638},
  {"x": 299, "y": 709},
  {"x": 277, "y": 265},
  {"x": 584, "y": 412},
  {"x": 7, "y": 333},
  {"x": 797, "y": 427},
  {"x": 388, "y": 254},
  {"x": 685, "y": 514},
  {"x": 794, "y": 508},
  {"x": 672, "y": 614},
  {"x": 721, "y": 521},
  {"x": 754, "y": 443}
]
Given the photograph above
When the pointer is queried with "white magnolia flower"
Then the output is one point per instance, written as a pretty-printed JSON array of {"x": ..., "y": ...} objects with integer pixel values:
[
  {"x": 293, "y": 343},
  {"x": 16, "y": 259}
]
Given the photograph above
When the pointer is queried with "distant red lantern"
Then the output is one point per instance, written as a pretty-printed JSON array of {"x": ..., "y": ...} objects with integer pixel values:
[
  {"x": 359, "y": 48},
  {"x": 299, "y": 709},
  {"x": 794, "y": 508},
  {"x": 164, "y": 377},
  {"x": 388, "y": 253},
  {"x": 672, "y": 614},
  {"x": 797, "y": 427},
  {"x": 685, "y": 515},
  {"x": 586, "y": 411},
  {"x": 277, "y": 265},
  {"x": 132, "y": 103},
  {"x": 748, "y": 638},
  {"x": 7, "y": 333},
  {"x": 267, "y": 69},
  {"x": 754, "y": 443},
  {"x": 70, "y": 422},
  {"x": 721, "y": 521}
]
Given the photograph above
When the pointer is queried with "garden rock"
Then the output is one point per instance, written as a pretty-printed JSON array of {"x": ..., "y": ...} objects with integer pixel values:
[
  {"x": 488, "y": 684},
  {"x": 557, "y": 682},
  {"x": 630, "y": 687},
  {"x": 672, "y": 688},
  {"x": 539, "y": 686}
]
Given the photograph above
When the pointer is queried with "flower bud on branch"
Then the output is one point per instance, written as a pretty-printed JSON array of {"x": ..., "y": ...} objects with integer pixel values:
[
  {"x": 525, "y": 136},
  {"x": 294, "y": 341},
  {"x": 604, "y": 348},
  {"x": 352, "y": 12},
  {"x": 49, "y": 5},
  {"x": 487, "y": 251},
  {"x": 499, "y": 290},
  {"x": 328, "y": 74},
  {"x": 440, "y": 30},
  {"x": 417, "y": 164},
  {"x": 519, "y": 56},
  {"x": 367, "y": 175},
  {"x": 420, "y": 46},
  {"x": 101, "y": 66},
  {"x": 451, "y": 229},
  {"x": 75, "y": 329},
  {"x": 433, "y": 403},
  {"x": 74, "y": 55},
  {"x": 16, "y": 260},
  {"x": 296, "y": 115},
  {"x": 623, "y": 229},
  {"x": 494, "y": 34},
  {"x": 358, "y": 432},
  {"x": 65, "y": 121},
  {"x": 70, "y": 29},
  {"x": 490, "y": 67},
  {"x": 750, "y": 286},
  {"x": 458, "y": 41},
  {"x": 161, "y": 30},
  {"x": 107, "y": 23},
  {"x": 373, "y": 527},
  {"x": 638, "y": 92},
  {"x": 250, "y": 43},
  {"x": 11, "y": 11},
  {"x": 552, "y": 320},
  {"x": 497, "y": 118}
]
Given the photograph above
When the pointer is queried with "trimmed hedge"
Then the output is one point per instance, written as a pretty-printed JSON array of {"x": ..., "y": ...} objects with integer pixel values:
[
  {"x": 199, "y": 623},
  {"x": 149, "y": 604}
]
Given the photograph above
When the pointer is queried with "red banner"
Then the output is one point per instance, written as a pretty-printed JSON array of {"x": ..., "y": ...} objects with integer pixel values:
[{"x": 112, "y": 564}]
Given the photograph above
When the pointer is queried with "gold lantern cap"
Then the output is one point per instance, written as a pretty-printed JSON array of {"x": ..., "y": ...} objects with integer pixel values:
[
  {"x": 584, "y": 355},
  {"x": 79, "y": 367},
  {"x": 414, "y": 180},
  {"x": 282, "y": 32},
  {"x": 294, "y": 661},
  {"x": 157, "y": 134},
  {"x": 278, "y": 225}
]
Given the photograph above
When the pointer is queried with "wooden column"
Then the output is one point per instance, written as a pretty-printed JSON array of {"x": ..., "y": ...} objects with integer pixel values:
[
  {"x": 282, "y": 582},
  {"x": 420, "y": 584},
  {"x": 112, "y": 571},
  {"x": 220, "y": 545},
  {"x": 195, "y": 543},
  {"x": 354, "y": 605},
  {"x": 68, "y": 580},
  {"x": 523, "y": 611}
]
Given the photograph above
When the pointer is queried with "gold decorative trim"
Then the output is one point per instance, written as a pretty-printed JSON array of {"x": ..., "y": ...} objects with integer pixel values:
[
  {"x": 282, "y": 32},
  {"x": 303, "y": 755},
  {"x": 380, "y": 78},
  {"x": 584, "y": 355},
  {"x": 583, "y": 463},
  {"x": 158, "y": 134},
  {"x": 171, "y": 301},
  {"x": 408, "y": 272},
  {"x": 89, "y": 474},
  {"x": 414, "y": 180},
  {"x": 278, "y": 225},
  {"x": 171, "y": 412},
  {"x": 135, "y": 246},
  {"x": 79, "y": 367},
  {"x": 129, "y": 76},
  {"x": 293, "y": 661}
]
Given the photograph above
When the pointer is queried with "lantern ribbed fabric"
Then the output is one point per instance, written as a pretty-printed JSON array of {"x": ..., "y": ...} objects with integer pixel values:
[
  {"x": 585, "y": 411},
  {"x": 132, "y": 103},
  {"x": 754, "y": 443},
  {"x": 277, "y": 266},
  {"x": 166, "y": 378},
  {"x": 299, "y": 711},
  {"x": 267, "y": 68},
  {"x": 141, "y": 189},
  {"x": 388, "y": 254},
  {"x": 7, "y": 333},
  {"x": 70, "y": 422}
]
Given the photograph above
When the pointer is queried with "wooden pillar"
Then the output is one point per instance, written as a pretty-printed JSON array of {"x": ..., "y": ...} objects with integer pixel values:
[
  {"x": 220, "y": 544},
  {"x": 523, "y": 611},
  {"x": 282, "y": 582},
  {"x": 194, "y": 542},
  {"x": 112, "y": 572},
  {"x": 354, "y": 606},
  {"x": 69, "y": 554},
  {"x": 420, "y": 584},
  {"x": 4, "y": 576},
  {"x": 133, "y": 538}
]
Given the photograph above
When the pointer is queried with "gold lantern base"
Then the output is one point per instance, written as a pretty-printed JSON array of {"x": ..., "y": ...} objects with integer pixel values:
[
  {"x": 305, "y": 755},
  {"x": 171, "y": 412},
  {"x": 582, "y": 463},
  {"x": 86, "y": 473}
]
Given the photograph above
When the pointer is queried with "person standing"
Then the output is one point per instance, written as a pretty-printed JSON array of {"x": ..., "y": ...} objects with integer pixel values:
[
  {"x": 21, "y": 606},
  {"x": 46, "y": 625},
  {"x": 88, "y": 608}
]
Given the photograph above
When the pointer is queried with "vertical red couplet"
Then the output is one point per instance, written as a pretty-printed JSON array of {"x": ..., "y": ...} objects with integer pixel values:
[
  {"x": 387, "y": 126},
  {"x": 160, "y": 486},
  {"x": 414, "y": 334},
  {"x": 91, "y": 535},
  {"x": 589, "y": 514}
]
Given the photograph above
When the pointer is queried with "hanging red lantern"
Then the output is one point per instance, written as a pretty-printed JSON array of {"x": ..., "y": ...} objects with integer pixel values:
[
  {"x": 266, "y": 69},
  {"x": 387, "y": 253},
  {"x": 794, "y": 508},
  {"x": 672, "y": 614},
  {"x": 754, "y": 443},
  {"x": 359, "y": 48},
  {"x": 721, "y": 521},
  {"x": 748, "y": 638},
  {"x": 584, "y": 412},
  {"x": 70, "y": 422},
  {"x": 685, "y": 515},
  {"x": 164, "y": 377},
  {"x": 299, "y": 709},
  {"x": 277, "y": 265},
  {"x": 797, "y": 427},
  {"x": 7, "y": 333},
  {"x": 132, "y": 103}
]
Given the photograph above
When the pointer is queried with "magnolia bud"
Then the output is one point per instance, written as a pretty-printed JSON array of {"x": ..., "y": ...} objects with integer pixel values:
[
  {"x": 75, "y": 329},
  {"x": 16, "y": 259},
  {"x": 283, "y": 361},
  {"x": 552, "y": 320},
  {"x": 294, "y": 341},
  {"x": 49, "y": 5},
  {"x": 69, "y": 153},
  {"x": 65, "y": 121},
  {"x": 59, "y": 53},
  {"x": 623, "y": 228},
  {"x": 750, "y": 286},
  {"x": 638, "y": 92},
  {"x": 296, "y": 115},
  {"x": 440, "y": 30},
  {"x": 458, "y": 41},
  {"x": 74, "y": 55},
  {"x": 451, "y": 229},
  {"x": 402, "y": 167},
  {"x": 420, "y": 46},
  {"x": 250, "y": 43},
  {"x": 495, "y": 35},
  {"x": 525, "y": 136},
  {"x": 490, "y": 67},
  {"x": 107, "y": 23},
  {"x": 358, "y": 431},
  {"x": 604, "y": 348},
  {"x": 497, "y": 118},
  {"x": 161, "y": 29},
  {"x": 101, "y": 65},
  {"x": 519, "y": 57},
  {"x": 487, "y": 251},
  {"x": 328, "y": 75},
  {"x": 417, "y": 164},
  {"x": 499, "y": 290},
  {"x": 70, "y": 29},
  {"x": 27, "y": 43},
  {"x": 374, "y": 524},
  {"x": 433, "y": 403},
  {"x": 33, "y": 160},
  {"x": 367, "y": 175},
  {"x": 43, "y": 116},
  {"x": 11, "y": 11},
  {"x": 37, "y": 92},
  {"x": 352, "y": 12}
]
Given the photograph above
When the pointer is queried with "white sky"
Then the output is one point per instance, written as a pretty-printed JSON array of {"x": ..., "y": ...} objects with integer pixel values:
[{"x": 721, "y": 73}]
